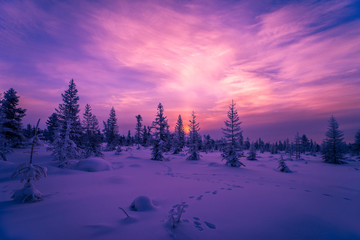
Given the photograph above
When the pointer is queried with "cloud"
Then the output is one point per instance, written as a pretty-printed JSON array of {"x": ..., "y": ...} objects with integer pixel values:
[{"x": 283, "y": 62}]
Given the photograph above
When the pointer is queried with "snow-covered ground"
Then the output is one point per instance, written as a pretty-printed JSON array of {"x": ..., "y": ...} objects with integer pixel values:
[{"x": 316, "y": 201}]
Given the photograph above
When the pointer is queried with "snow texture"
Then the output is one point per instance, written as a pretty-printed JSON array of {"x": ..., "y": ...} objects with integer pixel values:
[{"x": 93, "y": 165}]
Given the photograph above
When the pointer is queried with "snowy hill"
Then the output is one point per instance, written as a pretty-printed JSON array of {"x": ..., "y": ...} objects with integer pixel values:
[{"x": 315, "y": 201}]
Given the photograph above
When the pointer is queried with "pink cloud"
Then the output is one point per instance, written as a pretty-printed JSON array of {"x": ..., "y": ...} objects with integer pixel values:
[{"x": 133, "y": 55}]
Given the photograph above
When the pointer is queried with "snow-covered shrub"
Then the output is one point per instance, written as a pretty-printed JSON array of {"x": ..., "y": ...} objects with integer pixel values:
[
  {"x": 118, "y": 150},
  {"x": 142, "y": 203},
  {"x": 29, "y": 172},
  {"x": 282, "y": 166},
  {"x": 175, "y": 214},
  {"x": 27, "y": 194},
  {"x": 252, "y": 152}
]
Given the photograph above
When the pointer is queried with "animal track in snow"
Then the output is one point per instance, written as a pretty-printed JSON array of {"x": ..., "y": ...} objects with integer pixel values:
[
  {"x": 210, "y": 225},
  {"x": 198, "y": 225}
]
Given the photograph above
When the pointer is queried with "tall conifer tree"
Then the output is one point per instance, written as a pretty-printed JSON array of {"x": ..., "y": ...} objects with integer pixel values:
[
  {"x": 232, "y": 133},
  {"x": 179, "y": 136},
  {"x": 160, "y": 125},
  {"x": 333, "y": 145},
  {"x": 194, "y": 139},
  {"x": 91, "y": 137},
  {"x": 12, "y": 115}
]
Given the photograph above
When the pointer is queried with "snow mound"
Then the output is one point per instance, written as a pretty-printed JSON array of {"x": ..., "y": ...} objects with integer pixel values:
[
  {"x": 27, "y": 194},
  {"x": 142, "y": 203},
  {"x": 93, "y": 165}
]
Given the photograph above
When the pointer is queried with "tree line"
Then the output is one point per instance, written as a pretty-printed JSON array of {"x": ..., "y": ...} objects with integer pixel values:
[{"x": 72, "y": 137}]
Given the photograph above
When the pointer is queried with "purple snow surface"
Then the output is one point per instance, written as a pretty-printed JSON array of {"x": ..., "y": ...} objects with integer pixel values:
[{"x": 316, "y": 201}]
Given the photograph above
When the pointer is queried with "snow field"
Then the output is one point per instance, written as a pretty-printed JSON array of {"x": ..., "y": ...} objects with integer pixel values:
[{"x": 316, "y": 201}]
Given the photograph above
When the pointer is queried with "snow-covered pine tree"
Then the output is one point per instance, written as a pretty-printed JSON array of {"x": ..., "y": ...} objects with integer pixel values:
[
  {"x": 111, "y": 131},
  {"x": 193, "y": 151},
  {"x": 138, "y": 130},
  {"x": 333, "y": 145},
  {"x": 12, "y": 119},
  {"x": 282, "y": 166},
  {"x": 252, "y": 152},
  {"x": 179, "y": 136},
  {"x": 67, "y": 140},
  {"x": 4, "y": 149},
  {"x": 64, "y": 149},
  {"x": 357, "y": 143},
  {"x": 232, "y": 133},
  {"x": 145, "y": 137},
  {"x": 209, "y": 143},
  {"x": 52, "y": 125},
  {"x": 297, "y": 146},
  {"x": 168, "y": 145},
  {"x": 68, "y": 114},
  {"x": 159, "y": 136},
  {"x": 92, "y": 138},
  {"x": 129, "y": 139},
  {"x": 305, "y": 144}
]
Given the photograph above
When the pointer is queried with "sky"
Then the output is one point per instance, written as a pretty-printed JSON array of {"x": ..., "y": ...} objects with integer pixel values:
[{"x": 289, "y": 65}]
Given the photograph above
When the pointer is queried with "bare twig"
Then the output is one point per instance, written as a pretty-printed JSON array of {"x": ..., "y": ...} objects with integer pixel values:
[{"x": 127, "y": 215}]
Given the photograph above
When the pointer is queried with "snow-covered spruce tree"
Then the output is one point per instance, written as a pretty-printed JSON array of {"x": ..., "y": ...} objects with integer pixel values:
[
  {"x": 111, "y": 131},
  {"x": 64, "y": 149},
  {"x": 282, "y": 166},
  {"x": 179, "y": 136},
  {"x": 91, "y": 141},
  {"x": 297, "y": 146},
  {"x": 68, "y": 114},
  {"x": 12, "y": 119},
  {"x": 29, "y": 172},
  {"x": 146, "y": 136},
  {"x": 65, "y": 146},
  {"x": 168, "y": 144},
  {"x": 252, "y": 152},
  {"x": 193, "y": 151},
  {"x": 159, "y": 136},
  {"x": 332, "y": 147},
  {"x": 4, "y": 148},
  {"x": 305, "y": 144},
  {"x": 138, "y": 130},
  {"x": 52, "y": 125},
  {"x": 209, "y": 143},
  {"x": 357, "y": 143},
  {"x": 232, "y": 133}
]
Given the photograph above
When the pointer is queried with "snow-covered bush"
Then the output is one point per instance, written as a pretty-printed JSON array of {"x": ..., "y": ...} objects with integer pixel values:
[
  {"x": 118, "y": 150},
  {"x": 252, "y": 152},
  {"x": 29, "y": 172},
  {"x": 142, "y": 203},
  {"x": 282, "y": 166}
]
